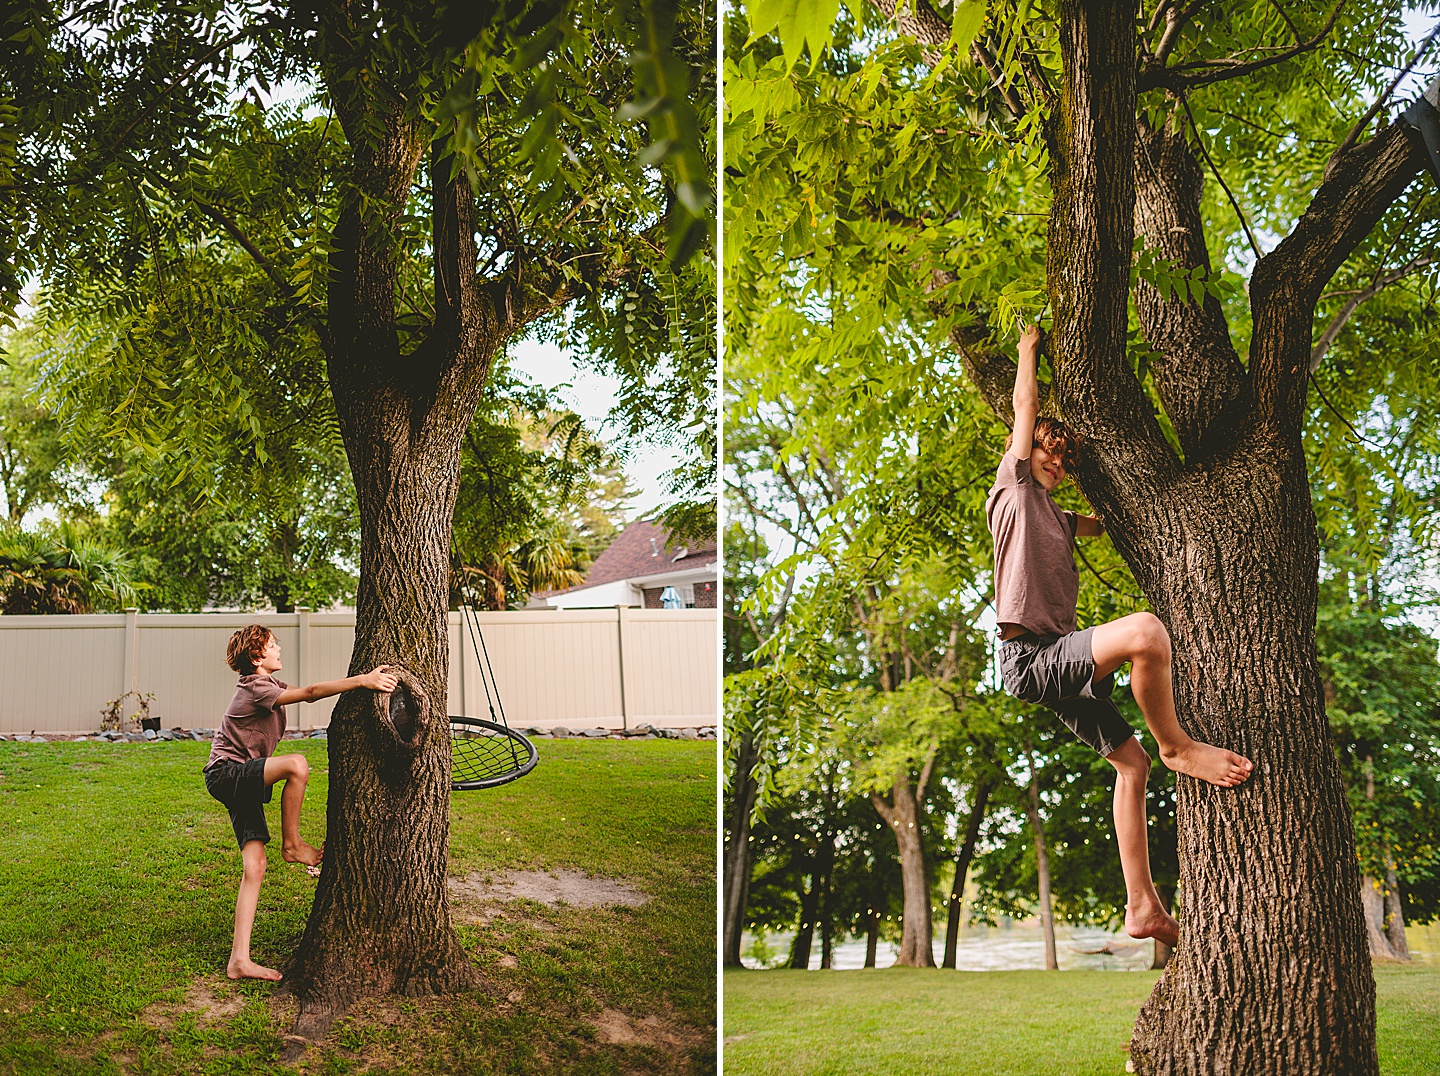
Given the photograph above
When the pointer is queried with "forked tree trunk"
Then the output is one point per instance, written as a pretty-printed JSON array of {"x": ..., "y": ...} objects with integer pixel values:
[
  {"x": 962, "y": 868},
  {"x": 805, "y": 935},
  {"x": 1272, "y": 975},
  {"x": 380, "y": 921},
  {"x": 903, "y": 817}
]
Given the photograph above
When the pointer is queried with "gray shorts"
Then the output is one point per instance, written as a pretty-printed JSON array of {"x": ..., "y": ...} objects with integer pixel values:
[{"x": 1055, "y": 671}]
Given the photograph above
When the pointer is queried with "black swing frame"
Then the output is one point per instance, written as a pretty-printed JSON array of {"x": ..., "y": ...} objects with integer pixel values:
[{"x": 522, "y": 753}]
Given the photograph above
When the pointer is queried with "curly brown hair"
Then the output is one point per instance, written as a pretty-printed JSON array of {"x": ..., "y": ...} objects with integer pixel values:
[
  {"x": 1055, "y": 438},
  {"x": 245, "y": 647}
]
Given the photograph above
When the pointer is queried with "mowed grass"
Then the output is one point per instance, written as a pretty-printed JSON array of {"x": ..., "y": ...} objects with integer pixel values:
[
  {"x": 117, "y": 896},
  {"x": 903, "y": 1021}
]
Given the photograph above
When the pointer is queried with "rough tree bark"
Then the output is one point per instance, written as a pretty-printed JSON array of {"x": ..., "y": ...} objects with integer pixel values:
[
  {"x": 962, "y": 867},
  {"x": 737, "y": 851},
  {"x": 902, "y": 814},
  {"x": 1272, "y": 974},
  {"x": 380, "y": 921}
]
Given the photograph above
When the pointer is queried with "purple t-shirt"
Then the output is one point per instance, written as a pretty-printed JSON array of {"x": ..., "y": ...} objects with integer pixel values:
[
  {"x": 1036, "y": 581},
  {"x": 253, "y": 722}
]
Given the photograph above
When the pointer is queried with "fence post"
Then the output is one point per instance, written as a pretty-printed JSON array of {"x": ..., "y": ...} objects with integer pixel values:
[
  {"x": 132, "y": 651},
  {"x": 622, "y": 619},
  {"x": 302, "y": 662},
  {"x": 460, "y": 654}
]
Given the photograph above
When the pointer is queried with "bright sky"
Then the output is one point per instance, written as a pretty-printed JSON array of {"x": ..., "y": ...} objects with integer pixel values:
[{"x": 591, "y": 395}]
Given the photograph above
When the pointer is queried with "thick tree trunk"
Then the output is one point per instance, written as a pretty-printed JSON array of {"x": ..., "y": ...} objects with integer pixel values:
[
  {"x": 903, "y": 817},
  {"x": 962, "y": 867},
  {"x": 1273, "y": 973},
  {"x": 380, "y": 921},
  {"x": 737, "y": 852},
  {"x": 1042, "y": 867},
  {"x": 1372, "y": 900}
]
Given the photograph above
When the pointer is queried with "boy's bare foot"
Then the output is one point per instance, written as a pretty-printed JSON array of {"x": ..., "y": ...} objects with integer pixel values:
[
  {"x": 1213, "y": 764},
  {"x": 1154, "y": 922},
  {"x": 248, "y": 969},
  {"x": 302, "y": 853}
]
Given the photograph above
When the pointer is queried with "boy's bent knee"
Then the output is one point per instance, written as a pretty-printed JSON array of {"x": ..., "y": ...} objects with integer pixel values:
[{"x": 1151, "y": 638}]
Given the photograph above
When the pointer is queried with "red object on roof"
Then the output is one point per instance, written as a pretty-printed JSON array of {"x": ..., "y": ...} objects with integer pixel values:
[{"x": 641, "y": 549}]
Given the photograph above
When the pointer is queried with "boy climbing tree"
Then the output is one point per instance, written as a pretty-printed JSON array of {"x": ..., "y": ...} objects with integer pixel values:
[
  {"x": 242, "y": 767},
  {"x": 1045, "y": 660}
]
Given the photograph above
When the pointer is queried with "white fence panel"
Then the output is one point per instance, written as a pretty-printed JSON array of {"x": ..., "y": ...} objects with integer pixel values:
[{"x": 578, "y": 668}]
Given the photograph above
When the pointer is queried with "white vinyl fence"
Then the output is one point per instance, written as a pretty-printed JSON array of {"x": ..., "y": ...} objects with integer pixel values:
[{"x": 580, "y": 668}]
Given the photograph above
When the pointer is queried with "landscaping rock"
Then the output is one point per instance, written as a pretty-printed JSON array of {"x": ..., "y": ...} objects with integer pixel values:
[
  {"x": 135, "y": 737},
  {"x": 594, "y": 734},
  {"x": 151, "y": 734},
  {"x": 560, "y": 732},
  {"x": 689, "y": 734},
  {"x": 320, "y": 734}
]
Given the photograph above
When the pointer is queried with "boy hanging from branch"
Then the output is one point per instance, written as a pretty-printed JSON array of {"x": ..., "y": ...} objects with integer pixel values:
[
  {"x": 1044, "y": 660},
  {"x": 243, "y": 766}
]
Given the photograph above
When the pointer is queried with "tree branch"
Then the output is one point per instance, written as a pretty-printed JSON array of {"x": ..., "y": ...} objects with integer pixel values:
[
  {"x": 1364, "y": 121},
  {"x": 1207, "y": 72},
  {"x": 1287, "y": 283},
  {"x": 1200, "y": 378},
  {"x": 1337, "y": 323}
]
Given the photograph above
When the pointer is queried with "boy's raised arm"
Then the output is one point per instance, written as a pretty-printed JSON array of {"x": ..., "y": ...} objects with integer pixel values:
[
  {"x": 1027, "y": 395},
  {"x": 376, "y": 680}
]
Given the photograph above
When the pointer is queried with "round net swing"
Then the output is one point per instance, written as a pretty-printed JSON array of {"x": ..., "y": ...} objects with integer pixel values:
[{"x": 484, "y": 753}]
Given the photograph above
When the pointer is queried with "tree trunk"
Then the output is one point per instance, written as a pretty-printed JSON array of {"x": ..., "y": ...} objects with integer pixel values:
[
  {"x": 903, "y": 816},
  {"x": 1042, "y": 867},
  {"x": 805, "y": 936},
  {"x": 737, "y": 851},
  {"x": 827, "y": 871},
  {"x": 380, "y": 921},
  {"x": 1395, "y": 916},
  {"x": 1372, "y": 900},
  {"x": 872, "y": 934},
  {"x": 962, "y": 868}
]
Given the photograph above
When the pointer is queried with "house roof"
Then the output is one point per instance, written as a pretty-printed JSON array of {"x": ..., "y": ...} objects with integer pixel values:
[{"x": 644, "y": 548}]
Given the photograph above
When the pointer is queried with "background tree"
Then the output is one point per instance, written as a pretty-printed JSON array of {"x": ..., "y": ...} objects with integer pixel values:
[
  {"x": 937, "y": 176},
  {"x": 486, "y": 178}
]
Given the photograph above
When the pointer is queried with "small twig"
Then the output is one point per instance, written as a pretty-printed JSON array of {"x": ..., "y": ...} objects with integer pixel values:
[
  {"x": 1200, "y": 142},
  {"x": 1359, "y": 128},
  {"x": 1359, "y": 437},
  {"x": 1097, "y": 575},
  {"x": 1338, "y": 322}
]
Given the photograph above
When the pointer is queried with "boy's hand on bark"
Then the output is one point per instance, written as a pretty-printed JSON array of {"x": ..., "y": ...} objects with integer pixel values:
[{"x": 378, "y": 679}]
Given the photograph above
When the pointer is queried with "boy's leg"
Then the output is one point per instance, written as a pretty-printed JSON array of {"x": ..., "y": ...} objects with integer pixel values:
[
  {"x": 1142, "y": 640},
  {"x": 1145, "y": 915},
  {"x": 294, "y": 770},
  {"x": 252, "y": 854}
]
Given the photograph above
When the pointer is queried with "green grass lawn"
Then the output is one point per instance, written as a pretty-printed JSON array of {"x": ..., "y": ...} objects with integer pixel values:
[
  {"x": 904, "y": 1021},
  {"x": 117, "y": 896}
]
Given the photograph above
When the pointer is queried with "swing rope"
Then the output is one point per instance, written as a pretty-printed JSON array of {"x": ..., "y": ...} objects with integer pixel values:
[{"x": 484, "y": 754}]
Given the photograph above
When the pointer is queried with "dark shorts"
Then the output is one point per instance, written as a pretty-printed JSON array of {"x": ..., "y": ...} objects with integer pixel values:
[
  {"x": 241, "y": 787},
  {"x": 1055, "y": 671}
]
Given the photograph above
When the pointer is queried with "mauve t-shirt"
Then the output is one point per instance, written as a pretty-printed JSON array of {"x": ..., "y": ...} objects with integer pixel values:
[
  {"x": 253, "y": 723},
  {"x": 1036, "y": 581}
]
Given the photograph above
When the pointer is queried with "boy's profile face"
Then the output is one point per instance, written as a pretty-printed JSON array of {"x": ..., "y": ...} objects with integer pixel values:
[
  {"x": 1047, "y": 468},
  {"x": 270, "y": 657}
]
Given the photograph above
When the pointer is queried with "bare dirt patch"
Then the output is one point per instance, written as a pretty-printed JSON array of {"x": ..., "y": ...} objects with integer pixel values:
[
  {"x": 615, "y": 1028},
  {"x": 210, "y": 999},
  {"x": 576, "y": 889}
]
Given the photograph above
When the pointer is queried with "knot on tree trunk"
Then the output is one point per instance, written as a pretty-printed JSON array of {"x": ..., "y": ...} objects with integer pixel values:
[{"x": 405, "y": 712}]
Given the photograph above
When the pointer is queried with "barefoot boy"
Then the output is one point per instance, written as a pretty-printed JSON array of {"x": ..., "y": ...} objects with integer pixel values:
[
  {"x": 241, "y": 770},
  {"x": 1043, "y": 659}
]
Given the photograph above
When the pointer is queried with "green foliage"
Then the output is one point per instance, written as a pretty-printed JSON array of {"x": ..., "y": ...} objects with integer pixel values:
[{"x": 64, "y": 568}]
